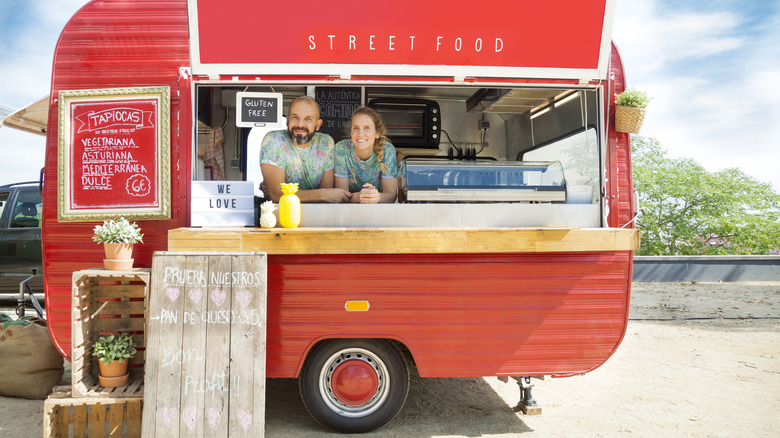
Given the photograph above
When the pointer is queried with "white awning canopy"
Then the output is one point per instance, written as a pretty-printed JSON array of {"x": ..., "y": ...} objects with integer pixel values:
[{"x": 32, "y": 118}]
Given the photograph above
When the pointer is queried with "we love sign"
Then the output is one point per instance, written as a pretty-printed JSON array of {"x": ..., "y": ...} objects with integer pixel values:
[{"x": 205, "y": 348}]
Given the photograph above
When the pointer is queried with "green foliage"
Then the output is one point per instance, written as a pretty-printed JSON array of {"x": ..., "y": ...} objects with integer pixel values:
[
  {"x": 113, "y": 347},
  {"x": 118, "y": 232},
  {"x": 633, "y": 98},
  {"x": 686, "y": 210}
]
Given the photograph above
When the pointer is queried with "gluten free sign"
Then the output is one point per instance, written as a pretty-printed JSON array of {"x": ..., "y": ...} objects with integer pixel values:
[{"x": 205, "y": 350}]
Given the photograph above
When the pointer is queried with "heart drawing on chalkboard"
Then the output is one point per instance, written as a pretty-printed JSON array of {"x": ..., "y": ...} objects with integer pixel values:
[
  {"x": 244, "y": 419},
  {"x": 168, "y": 415},
  {"x": 195, "y": 295},
  {"x": 172, "y": 293},
  {"x": 190, "y": 415},
  {"x": 218, "y": 297},
  {"x": 244, "y": 297},
  {"x": 213, "y": 415}
]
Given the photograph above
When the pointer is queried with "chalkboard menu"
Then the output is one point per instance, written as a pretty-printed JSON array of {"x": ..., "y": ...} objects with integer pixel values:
[
  {"x": 258, "y": 109},
  {"x": 205, "y": 348},
  {"x": 113, "y": 154},
  {"x": 336, "y": 107}
]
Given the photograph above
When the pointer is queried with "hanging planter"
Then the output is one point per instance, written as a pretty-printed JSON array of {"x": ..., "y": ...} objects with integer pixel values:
[
  {"x": 118, "y": 238},
  {"x": 630, "y": 110}
]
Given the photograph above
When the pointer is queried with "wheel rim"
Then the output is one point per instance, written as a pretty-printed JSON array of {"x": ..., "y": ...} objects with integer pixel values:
[{"x": 354, "y": 382}]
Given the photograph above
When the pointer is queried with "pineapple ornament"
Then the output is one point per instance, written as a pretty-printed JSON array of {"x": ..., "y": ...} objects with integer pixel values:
[
  {"x": 267, "y": 217},
  {"x": 289, "y": 206}
]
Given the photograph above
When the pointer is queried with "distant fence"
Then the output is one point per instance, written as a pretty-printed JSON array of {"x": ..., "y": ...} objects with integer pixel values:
[{"x": 706, "y": 268}]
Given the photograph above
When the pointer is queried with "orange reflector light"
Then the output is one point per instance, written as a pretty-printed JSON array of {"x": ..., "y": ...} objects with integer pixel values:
[{"x": 356, "y": 306}]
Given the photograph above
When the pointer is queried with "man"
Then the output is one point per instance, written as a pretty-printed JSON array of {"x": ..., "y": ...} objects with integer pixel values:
[{"x": 301, "y": 155}]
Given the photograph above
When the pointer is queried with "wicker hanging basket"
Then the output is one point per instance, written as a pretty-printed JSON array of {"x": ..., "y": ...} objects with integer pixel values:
[{"x": 629, "y": 119}]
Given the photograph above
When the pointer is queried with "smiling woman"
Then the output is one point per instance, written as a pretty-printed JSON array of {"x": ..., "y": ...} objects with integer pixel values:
[{"x": 366, "y": 163}]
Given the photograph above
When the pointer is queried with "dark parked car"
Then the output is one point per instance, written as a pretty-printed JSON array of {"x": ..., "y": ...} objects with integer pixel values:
[{"x": 20, "y": 236}]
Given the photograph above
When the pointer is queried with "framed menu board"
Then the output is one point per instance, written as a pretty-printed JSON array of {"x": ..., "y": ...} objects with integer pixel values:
[{"x": 114, "y": 154}]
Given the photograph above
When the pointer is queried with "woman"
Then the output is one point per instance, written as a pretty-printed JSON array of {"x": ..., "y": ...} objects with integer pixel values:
[{"x": 365, "y": 163}]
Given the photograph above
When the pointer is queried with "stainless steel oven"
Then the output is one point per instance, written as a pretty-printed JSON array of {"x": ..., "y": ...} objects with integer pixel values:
[{"x": 410, "y": 122}]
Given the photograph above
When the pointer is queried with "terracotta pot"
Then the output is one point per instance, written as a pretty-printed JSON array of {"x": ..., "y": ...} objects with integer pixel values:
[
  {"x": 118, "y": 256},
  {"x": 114, "y": 382},
  {"x": 118, "y": 251},
  {"x": 113, "y": 374}
]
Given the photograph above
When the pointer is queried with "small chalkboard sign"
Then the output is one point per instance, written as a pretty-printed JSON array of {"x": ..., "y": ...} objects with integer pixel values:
[
  {"x": 258, "y": 109},
  {"x": 336, "y": 107}
]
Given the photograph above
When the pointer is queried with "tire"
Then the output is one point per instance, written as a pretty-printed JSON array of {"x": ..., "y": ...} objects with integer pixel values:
[{"x": 354, "y": 385}]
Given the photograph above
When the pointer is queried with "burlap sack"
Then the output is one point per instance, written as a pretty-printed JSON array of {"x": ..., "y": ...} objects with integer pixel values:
[{"x": 30, "y": 365}]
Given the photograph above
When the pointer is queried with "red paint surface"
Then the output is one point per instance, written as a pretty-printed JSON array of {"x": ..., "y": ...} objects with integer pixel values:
[
  {"x": 114, "y": 44},
  {"x": 549, "y": 34},
  {"x": 458, "y": 314},
  {"x": 354, "y": 382},
  {"x": 620, "y": 182}
]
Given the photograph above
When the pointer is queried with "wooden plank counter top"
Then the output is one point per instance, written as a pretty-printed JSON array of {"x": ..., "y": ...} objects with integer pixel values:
[{"x": 402, "y": 240}]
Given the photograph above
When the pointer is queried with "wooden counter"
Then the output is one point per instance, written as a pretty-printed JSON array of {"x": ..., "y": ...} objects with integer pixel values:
[{"x": 402, "y": 240}]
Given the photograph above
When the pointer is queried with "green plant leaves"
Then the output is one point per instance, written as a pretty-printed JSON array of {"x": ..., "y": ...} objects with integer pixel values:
[
  {"x": 633, "y": 98},
  {"x": 114, "y": 347},
  {"x": 120, "y": 231},
  {"x": 687, "y": 210}
]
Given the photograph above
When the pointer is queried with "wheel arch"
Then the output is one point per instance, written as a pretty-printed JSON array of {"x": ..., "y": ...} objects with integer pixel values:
[{"x": 397, "y": 342}]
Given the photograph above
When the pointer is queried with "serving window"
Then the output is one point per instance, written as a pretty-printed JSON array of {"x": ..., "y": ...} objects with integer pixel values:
[{"x": 480, "y": 127}]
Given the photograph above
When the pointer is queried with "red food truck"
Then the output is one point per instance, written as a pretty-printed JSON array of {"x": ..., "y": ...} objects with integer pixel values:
[{"x": 508, "y": 253}]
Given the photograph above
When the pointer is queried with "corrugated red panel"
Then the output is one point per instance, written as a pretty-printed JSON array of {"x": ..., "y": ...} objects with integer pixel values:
[
  {"x": 620, "y": 183},
  {"x": 459, "y": 314},
  {"x": 114, "y": 44}
]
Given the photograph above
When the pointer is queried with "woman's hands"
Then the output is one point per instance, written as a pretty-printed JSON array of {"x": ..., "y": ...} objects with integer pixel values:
[{"x": 369, "y": 194}]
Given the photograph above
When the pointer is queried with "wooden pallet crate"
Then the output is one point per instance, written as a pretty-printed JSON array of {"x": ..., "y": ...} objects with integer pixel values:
[
  {"x": 107, "y": 302},
  {"x": 90, "y": 417}
]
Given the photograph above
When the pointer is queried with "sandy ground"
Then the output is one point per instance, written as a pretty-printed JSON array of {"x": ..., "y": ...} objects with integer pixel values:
[{"x": 698, "y": 359}]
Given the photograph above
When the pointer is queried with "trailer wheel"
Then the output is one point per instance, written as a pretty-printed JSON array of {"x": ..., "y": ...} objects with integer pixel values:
[{"x": 354, "y": 385}]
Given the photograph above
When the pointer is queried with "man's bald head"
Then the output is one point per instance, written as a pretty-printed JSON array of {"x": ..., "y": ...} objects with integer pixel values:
[{"x": 307, "y": 100}]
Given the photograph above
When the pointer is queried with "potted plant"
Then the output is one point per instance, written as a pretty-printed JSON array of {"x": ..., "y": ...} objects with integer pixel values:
[
  {"x": 630, "y": 110},
  {"x": 113, "y": 352},
  {"x": 118, "y": 238}
]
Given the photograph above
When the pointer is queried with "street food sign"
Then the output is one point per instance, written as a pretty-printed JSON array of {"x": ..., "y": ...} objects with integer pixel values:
[
  {"x": 568, "y": 39},
  {"x": 113, "y": 154}
]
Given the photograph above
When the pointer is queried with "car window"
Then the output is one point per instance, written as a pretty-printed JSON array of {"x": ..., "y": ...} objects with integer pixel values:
[
  {"x": 27, "y": 210},
  {"x": 3, "y": 201}
]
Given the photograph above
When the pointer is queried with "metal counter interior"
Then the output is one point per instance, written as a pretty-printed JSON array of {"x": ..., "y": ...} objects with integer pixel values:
[{"x": 419, "y": 228}]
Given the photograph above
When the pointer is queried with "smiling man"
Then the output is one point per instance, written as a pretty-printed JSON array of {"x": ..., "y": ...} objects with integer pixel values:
[{"x": 301, "y": 155}]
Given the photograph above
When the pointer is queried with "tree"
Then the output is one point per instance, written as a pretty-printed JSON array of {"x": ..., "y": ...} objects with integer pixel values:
[{"x": 686, "y": 210}]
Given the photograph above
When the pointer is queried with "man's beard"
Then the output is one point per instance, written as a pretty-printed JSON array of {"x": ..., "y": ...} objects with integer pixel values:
[{"x": 300, "y": 138}]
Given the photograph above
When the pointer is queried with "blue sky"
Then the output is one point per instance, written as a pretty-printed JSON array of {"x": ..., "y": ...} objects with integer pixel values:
[{"x": 712, "y": 68}]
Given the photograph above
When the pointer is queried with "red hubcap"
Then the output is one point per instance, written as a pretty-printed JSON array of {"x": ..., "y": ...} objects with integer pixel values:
[{"x": 354, "y": 382}]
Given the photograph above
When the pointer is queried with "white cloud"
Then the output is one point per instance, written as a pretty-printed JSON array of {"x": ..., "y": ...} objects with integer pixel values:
[
  {"x": 713, "y": 82},
  {"x": 655, "y": 40},
  {"x": 27, "y": 52}
]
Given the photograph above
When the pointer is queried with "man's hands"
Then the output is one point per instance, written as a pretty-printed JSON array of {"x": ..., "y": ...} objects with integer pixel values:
[
  {"x": 332, "y": 195},
  {"x": 274, "y": 175}
]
